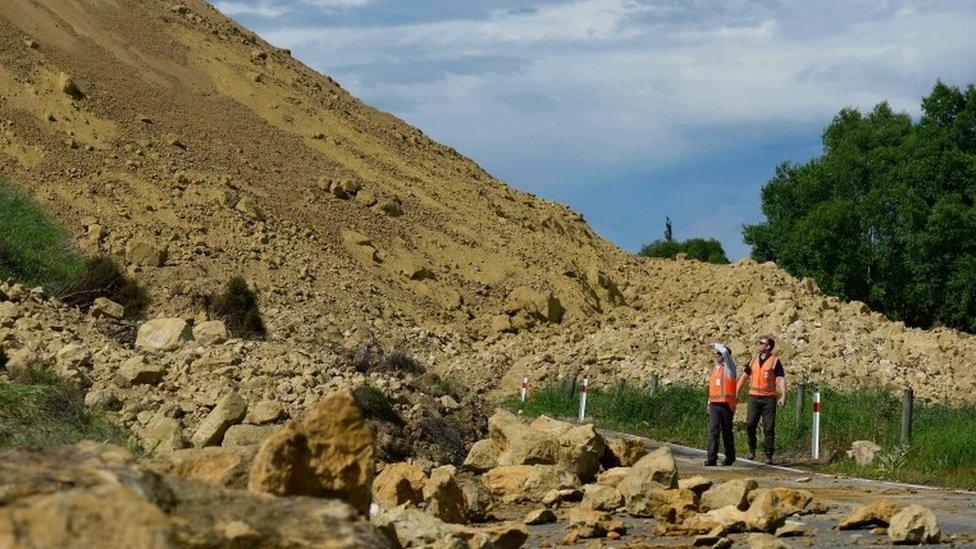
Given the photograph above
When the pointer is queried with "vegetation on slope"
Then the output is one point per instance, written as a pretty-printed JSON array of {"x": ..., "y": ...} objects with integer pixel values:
[
  {"x": 942, "y": 452},
  {"x": 887, "y": 214},
  {"x": 39, "y": 409}
]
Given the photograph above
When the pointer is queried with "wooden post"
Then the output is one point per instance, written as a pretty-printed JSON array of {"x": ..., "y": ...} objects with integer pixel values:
[
  {"x": 801, "y": 397},
  {"x": 570, "y": 386},
  {"x": 652, "y": 387},
  {"x": 906, "y": 416}
]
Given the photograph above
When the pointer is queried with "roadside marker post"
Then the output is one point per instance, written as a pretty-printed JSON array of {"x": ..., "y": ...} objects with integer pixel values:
[
  {"x": 582, "y": 409},
  {"x": 525, "y": 386},
  {"x": 816, "y": 425}
]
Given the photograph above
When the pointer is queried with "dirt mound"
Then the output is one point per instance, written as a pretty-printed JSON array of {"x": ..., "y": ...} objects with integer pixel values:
[{"x": 167, "y": 136}]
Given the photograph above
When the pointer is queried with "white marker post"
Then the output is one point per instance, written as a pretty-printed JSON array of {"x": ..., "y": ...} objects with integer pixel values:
[
  {"x": 816, "y": 425},
  {"x": 525, "y": 387},
  {"x": 586, "y": 382}
]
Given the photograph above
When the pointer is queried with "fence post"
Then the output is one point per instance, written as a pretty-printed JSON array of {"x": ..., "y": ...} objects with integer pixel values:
[
  {"x": 801, "y": 397},
  {"x": 652, "y": 388},
  {"x": 582, "y": 408},
  {"x": 816, "y": 425},
  {"x": 907, "y": 400},
  {"x": 569, "y": 385},
  {"x": 525, "y": 386}
]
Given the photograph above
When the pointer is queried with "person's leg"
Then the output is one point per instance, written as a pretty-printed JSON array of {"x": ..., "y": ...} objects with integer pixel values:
[
  {"x": 769, "y": 427},
  {"x": 752, "y": 421},
  {"x": 714, "y": 424},
  {"x": 728, "y": 439}
]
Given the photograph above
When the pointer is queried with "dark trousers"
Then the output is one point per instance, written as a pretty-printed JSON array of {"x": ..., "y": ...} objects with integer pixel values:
[
  {"x": 720, "y": 421},
  {"x": 765, "y": 408}
]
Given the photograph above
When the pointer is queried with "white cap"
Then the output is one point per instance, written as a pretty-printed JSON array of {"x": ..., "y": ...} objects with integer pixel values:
[{"x": 720, "y": 348}]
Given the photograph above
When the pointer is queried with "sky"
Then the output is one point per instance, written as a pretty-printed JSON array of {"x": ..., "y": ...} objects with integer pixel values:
[{"x": 630, "y": 110}]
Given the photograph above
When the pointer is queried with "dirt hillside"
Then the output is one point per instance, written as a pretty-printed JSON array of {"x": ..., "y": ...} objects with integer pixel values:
[{"x": 170, "y": 137}]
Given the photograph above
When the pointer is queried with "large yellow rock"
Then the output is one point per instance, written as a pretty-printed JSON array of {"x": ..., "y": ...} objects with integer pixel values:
[
  {"x": 527, "y": 482},
  {"x": 399, "y": 483},
  {"x": 329, "y": 453},
  {"x": 515, "y": 443},
  {"x": 654, "y": 471},
  {"x": 444, "y": 497}
]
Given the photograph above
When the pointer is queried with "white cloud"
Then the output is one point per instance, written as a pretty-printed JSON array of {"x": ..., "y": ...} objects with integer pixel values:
[{"x": 263, "y": 9}]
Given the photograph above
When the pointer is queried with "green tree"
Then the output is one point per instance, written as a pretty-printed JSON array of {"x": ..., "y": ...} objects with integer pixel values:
[
  {"x": 886, "y": 214},
  {"x": 709, "y": 250}
]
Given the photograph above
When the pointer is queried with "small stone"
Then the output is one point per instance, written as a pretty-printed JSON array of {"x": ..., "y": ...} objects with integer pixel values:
[
  {"x": 265, "y": 411},
  {"x": 540, "y": 516},
  {"x": 229, "y": 410},
  {"x": 210, "y": 332},
  {"x": 106, "y": 308},
  {"x": 135, "y": 371},
  {"x": 163, "y": 334}
]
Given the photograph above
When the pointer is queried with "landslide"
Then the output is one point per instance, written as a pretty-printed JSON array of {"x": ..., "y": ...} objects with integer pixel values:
[{"x": 170, "y": 137}]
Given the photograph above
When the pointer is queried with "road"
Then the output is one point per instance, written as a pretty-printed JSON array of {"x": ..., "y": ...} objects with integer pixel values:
[{"x": 955, "y": 509}]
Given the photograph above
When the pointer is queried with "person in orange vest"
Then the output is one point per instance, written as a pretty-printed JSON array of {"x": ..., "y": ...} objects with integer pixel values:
[
  {"x": 767, "y": 379},
  {"x": 721, "y": 406}
]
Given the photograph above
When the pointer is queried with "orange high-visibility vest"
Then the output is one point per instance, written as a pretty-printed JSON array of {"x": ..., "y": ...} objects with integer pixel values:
[
  {"x": 721, "y": 387},
  {"x": 762, "y": 379}
]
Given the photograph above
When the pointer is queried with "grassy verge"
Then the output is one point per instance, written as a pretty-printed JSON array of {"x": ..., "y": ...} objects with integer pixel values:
[
  {"x": 943, "y": 449},
  {"x": 39, "y": 409}
]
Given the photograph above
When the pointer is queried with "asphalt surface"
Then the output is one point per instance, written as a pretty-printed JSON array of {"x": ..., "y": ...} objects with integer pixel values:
[{"x": 954, "y": 509}]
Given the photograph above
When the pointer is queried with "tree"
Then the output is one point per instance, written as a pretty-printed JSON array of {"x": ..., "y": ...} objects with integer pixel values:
[
  {"x": 709, "y": 250},
  {"x": 886, "y": 213},
  {"x": 667, "y": 229}
]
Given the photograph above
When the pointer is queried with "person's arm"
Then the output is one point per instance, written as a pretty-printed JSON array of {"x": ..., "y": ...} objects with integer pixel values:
[
  {"x": 739, "y": 384},
  {"x": 781, "y": 383}
]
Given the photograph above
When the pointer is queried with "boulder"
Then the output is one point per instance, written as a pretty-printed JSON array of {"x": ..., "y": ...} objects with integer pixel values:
[
  {"x": 135, "y": 371},
  {"x": 612, "y": 477},
  {"x": 791, "y": 501},
  {"x": 765, "y": 513},
  {"x": 601, "y": 498},
  {"x": 329, "y": 453},
  {"x": 623, "y": 452},
  {"x": 734, "y": 492},
  {"x": 106, "y": 308},
  {"x": 508, "y": 535},
  {"x": 914, "y": 525},
  {"x": 515, "y": 443},
  {"x": 229, "y": 410},
  {"x": 697, "y": 484},
  {"x": 214, "y": 465},
  {"x": 581, "y": 449},
  {"x": 527, "y": 483},
  {"x": 163, "y": 334},
  {"x": 724, "y": 520},
  {"x": 399, "y": 484},
  {"x": 588, "y": 523},
  {"x": 480, "y": 457},
  {"x": 411, "y": 527},
  {"x": 265, "y": 411},
  {"x": 247, "y": 435},
  {"x": 22, "y": 361},
  {"x": 551, "y": 426},
  {"x": 863, "y": 451},
  {"x": 540, "y": 516},
  {"x": 670, "y": 506},
  {"x": 211, "y": 332},
  {"x": 143, "y": 251},
  {"x": 877, "y": 513},
  {"x": 656, "y": 470},
  {"x": 162, "y": 435},
  {"x": 73, "y": 356},
  {"x": 477, "y": 499},
  {"x": 444, "y": 497}
]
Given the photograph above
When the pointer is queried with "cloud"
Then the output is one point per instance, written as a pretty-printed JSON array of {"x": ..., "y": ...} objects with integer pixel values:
[{"x": 262, "y": 9}]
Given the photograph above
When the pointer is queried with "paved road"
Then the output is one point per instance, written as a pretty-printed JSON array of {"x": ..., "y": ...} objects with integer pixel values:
[{"x": 955, "y": 510}]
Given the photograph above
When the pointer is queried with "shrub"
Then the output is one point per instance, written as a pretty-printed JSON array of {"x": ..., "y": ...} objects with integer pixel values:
[
  {"x": 709, "y": 250},
  {"x": 34, "y": 248},
  {"x": 237, "y": 306},
  {"x": 376, "y": 405},
  {"x": 370, "y": 357},
  {"x": 104, "y": 278}
]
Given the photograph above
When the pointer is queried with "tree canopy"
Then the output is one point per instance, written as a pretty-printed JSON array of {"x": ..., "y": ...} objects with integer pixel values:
[
  {"x": 886, "y": 214},
  {"x": 709, "y": 250}
]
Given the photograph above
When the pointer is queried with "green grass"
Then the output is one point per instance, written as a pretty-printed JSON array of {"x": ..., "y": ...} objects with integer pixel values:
[
  {"x": 34, "y": 248},
  {"x": 38, "y": 409},
  {"x": 942, "y": 452}
]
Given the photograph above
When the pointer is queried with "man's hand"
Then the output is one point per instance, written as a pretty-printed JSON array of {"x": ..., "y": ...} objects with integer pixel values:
[{"x": 782, "y": 401}]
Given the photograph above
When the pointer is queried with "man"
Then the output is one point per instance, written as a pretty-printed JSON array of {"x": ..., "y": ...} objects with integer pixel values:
[
  {"x": 721, "y": 405},
  {"x": 766, "y": 379}
]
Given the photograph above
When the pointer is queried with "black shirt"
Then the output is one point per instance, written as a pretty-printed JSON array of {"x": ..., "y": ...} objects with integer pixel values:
[{"x": 777, "y": 370}]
